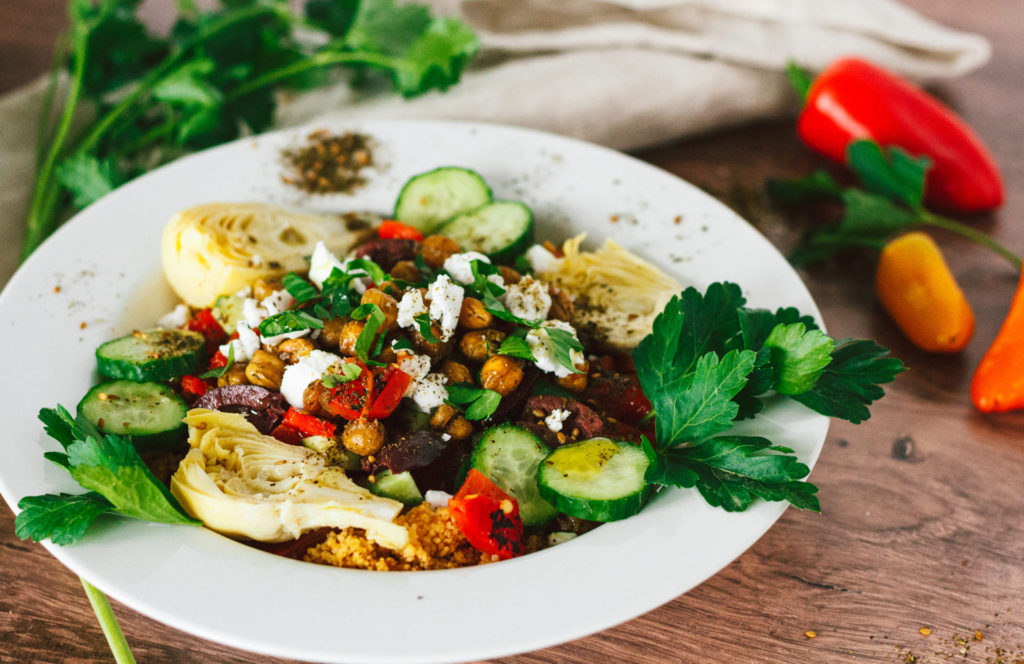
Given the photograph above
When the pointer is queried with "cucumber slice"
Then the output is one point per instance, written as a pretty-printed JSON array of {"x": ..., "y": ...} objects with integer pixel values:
[
  {"x": 509, "y": 456},
  {"x": 401, "y": 487},
  {"x": 502, "y": 230},
  {"x": 150, "y": 413},
  {"x": 429, "y": 199},
  {"x": 152, "y": 355},
  {"x": 228, "y": 310},
  {"x": 333, "y": 451},
  {"x": 597, "y": 479}
]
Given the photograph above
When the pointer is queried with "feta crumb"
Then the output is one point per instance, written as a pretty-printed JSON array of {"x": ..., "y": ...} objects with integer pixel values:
[
  {"x": 445, "y": 304},
  {"x": 247, "y": 343},
  {"x": 542, "y": 260},
  {"x": 174, "y": 319},
  {"x": 278, "y": 338},
  {"x": 410, "y": 306},
  {"x": 555, "y": 418},
  {"x": 543, "y": 351},
  {"x": 277, "y": 302},
  {"x": 528, "y": 299},
  {"x": 436, "y": 498},
  {"x": 321, "y": 264},
  {"x": 245, "y": 292},
  {"x": 446, "y": 437},
  {"x": 298, "y": 376},
  {"x": 460, "y": 266},
  {"x": 252, "y": 312},
  {"x": 431, "y": 392},
  {"x": 417, "y": 366}
]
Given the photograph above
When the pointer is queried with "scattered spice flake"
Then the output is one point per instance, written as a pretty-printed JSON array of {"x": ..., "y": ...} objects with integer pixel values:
[
  {"x": 925, "y": 631},
  {"x": 56, "y": 289},
  {"x": 82, "y": 325},
  {"x": 810, "y": 634},
  {"x": 328, "y": 164},
  {"x": 978, "y": 636},
  {"x": 678, "y": 219},
  {"x": 614, "y": 218}
]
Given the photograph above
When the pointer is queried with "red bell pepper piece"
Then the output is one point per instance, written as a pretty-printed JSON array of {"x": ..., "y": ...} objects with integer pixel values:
[
  {"x": 352, "y": 400},
  {"x": 218, "y": 360},
  {"x": 396, "y": 230},
  {"x": 205, "y": 324},
  {"x": 395, "y": 382},
  {"x": 288, "y": 434},
  {"x": 194, "y": 385},
  {"x": 853, "y": 99},
  {"x": 308, "y": 425},
  {"x": 488, "y": 517}
]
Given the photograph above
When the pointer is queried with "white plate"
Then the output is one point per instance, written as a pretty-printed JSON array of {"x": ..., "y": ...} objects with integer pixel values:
[{"x": 106, "y": 265}]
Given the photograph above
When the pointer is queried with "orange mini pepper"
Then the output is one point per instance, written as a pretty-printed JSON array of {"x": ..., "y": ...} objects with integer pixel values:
[
  {"x": 998, "y": 383},
  {"x": 915, "y": 286}
]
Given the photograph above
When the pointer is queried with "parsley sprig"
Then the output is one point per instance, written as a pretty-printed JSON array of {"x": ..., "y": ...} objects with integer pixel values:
[
  {"x": 113, "y": 472},
  {"x": 213, "y": 77},
  {"x": 710, "y": 360},
  {"x": 888, "y": 202}
]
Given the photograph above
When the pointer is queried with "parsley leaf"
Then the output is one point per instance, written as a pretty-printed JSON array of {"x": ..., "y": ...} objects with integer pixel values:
[
  {"x": 730, "y": 471},
  {"x": 217, "y": 373},
  {"x": 563, "y": 343},
  {"x": 359, "y": 267},
  {"x": 891, "y": 173},
  {"x": 292, "y": 320},
  {"x": 349, "y": 372},
  {"x": 62, "y": 517},
  {"x": 757, "y": 324},
  {"x": 423, "y": 324},
  {"x": 514, "y": 346},
  {"x": 480, "y": 403},
  {"x": 401, "y": 343},
  {"x": 798, "y": 355},
  {"x": 299, "y": 288},
  {"x": 88, "y": 178},
  {"x": 374, "y": 318},
  {"x": 852, "y": 381}
]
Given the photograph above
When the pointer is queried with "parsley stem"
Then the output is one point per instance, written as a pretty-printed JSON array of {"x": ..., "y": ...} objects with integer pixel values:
[
  {"x": 966, "y": 231},
  {"x": 314, "y": 61},
  {"x": 108, "y": 623},
  {"x": 60, "y": 49}
]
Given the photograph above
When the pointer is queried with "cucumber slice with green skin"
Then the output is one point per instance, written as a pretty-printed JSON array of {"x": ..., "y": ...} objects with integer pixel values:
[
  {"x": 597, "y": 479},
  {"x": 509, "y": 456},
  {"x": 429, "y": 199},
  {"x": 153, "y": 355},
  {"x": 502, "y": 230},
  {"x": 150, "y": 413},
  {"x": 401, "y": 487},
  {"x": 333, "y": 451},
  {"x": 228, "y": 310}
]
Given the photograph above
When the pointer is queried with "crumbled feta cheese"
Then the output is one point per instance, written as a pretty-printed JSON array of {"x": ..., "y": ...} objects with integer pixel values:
[
  {"x": 278, "y": 338},
  {"x": 446, "y": 437},
  {"x": 542, "y": 260},
  {"x": 445, "y": 304},
  {"x": 252, "y": 312},
  {"x": 436, "y": 498},
  {"x": 410, "y": 306},
  {"x": 174, "y": 319},
  {"x": 528, "y": 299},
  {"x": 417, "y": 366},
  {"x": 431, "y": 392},
  {"x": 555, "y": 418},
  {"x": 298, "y": 376},
  {"x": 247, "y": 343},
  {"x": 277, "y": 302},
  {"x": 460, "y": 266},
  {"x": 245, "y": 292},
  {"x": 560, "y": 537},
  {"x": 321, "y": 264},
  {"x": 543, "y": 351}
]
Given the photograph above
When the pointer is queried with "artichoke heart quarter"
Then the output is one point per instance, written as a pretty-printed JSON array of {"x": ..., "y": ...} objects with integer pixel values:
[{"x": 242, "y": 483}]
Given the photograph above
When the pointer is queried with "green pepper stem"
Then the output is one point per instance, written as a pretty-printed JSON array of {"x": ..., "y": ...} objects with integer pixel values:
[
  {"x": 971, "y": 234},
  {"x": 108, "y": 623}
]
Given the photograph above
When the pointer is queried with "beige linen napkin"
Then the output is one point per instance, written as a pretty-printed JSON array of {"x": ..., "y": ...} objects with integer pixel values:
[{"x": 625, "y": 73}]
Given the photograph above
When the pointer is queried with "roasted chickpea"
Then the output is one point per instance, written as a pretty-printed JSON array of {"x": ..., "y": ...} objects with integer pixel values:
[
  {"x": 456, "y": 372},
  {"x": 387, "y": 354},
  {"x": 509, "y": 275},
  {"x": 330, "y": 334},
  {"x": 292, "y": 350},
  {"x": 265, "y": 286},
  {"x": 450, "y": 421},
  {"x": 576, "y": 382},
  {"x": 315, "y": 397},
  {"x": 363, "y": 437},
  {"x": 349, "y": 336},
  {"x": 392, "y": 289},
  {"x": 501, "y": 374},
  {"x": 561, "y": 305},
  {"x": 473, "y": 315},
  {"x": 406, "y": 271},
  {"x": 387, "y": 304},
  {"x": 478, "y": 345},
  {"x": 235, "y": 375},
  {"x": 436, "y": 249},
  {"x": 265, "y": 369},
  {"x": 434, "y": 349}
]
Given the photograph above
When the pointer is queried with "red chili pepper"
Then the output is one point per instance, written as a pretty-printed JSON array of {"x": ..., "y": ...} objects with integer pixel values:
[
  {"x": 205, "y": 324},
  {"x": 488, "y": 517},
  {"x": 194, "y": 385},
  {"x": 307, "y": 424},
  {"x": 395, "y": 382},
  {"x": 396, "y": 230},
  {"x": 288, "y": 434},
  {"x": 352, "y": 400},
  {"x": 853, "y": 99}
]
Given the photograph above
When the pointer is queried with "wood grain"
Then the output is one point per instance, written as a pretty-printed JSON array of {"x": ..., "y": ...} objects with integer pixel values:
[{"x": 922, "y": 514}]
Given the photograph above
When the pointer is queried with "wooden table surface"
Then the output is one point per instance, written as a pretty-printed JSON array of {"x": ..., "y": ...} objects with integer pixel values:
[{"x": 923, "y": 522}]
